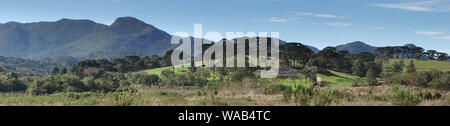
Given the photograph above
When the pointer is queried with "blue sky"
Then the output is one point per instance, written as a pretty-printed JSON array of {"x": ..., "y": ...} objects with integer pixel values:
[{"x": 320, "y": 23}]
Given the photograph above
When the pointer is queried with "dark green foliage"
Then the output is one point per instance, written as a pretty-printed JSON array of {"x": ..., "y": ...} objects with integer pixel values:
[
  {"x": 411, "y": 68},
  {"x": 63, "y": 70},
  {"x": 96, "y": 68},
  {"x": 295, "y": 54},
  {"x": 25, "y": 67},
  {"x": 144, "y": 79},
  {"x": 358, "y": 68},
  {"x": 59, "y": 83},
  {"x": 433, "y": 79},
  {"x": 371, "y": 77},
  {"x": 408, "y": 51},
  {"x": 332, "y": 59},
  {"x": 397, "y": 67},
  {"x": 54, "y": 71},
  {"x": 11, "y": 84}
]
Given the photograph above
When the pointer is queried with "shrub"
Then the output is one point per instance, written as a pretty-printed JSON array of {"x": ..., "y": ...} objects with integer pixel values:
[
  {"x": 150, "y": 80},
  {"x": 371, "y": 77},
  {"x": 313, "y": 96},
  {"x": 125, "y": 98},
  {"x": 58, "y": 83},
  {"x": 303, "y": 96},
  {"x": 443, "y": 82},
  {"x": 275, "y": 89},
  {"x": 287, "y": 95},
  {"x": 414, "y": 79},
  {"x": 404, "y": 97},
  {"x": 101, "y": 84},
  {"x": 14, "y": 85},
  {"x": 144, "y": 79}
]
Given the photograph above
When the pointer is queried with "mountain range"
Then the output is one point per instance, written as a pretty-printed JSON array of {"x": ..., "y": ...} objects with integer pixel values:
[
  {"x": 357, "y": 47},
  {"x": 81, "y": 38},
  {"x": 88, "y": 39}
]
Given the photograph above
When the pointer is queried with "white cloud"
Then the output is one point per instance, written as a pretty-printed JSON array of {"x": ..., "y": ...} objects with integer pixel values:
[
  {"x": 422, "y": 6},
  {"x": 296, "y": 16},
  {"x": 447, "y": 37},
  {"x": 429, "y": 32},
  {"x": 116, "y": 1},
  {"x": 316, "y": 15},
  {"x": 338, "y": 24},
  {"x": 403, "y": 7},
  {"x": 276, "y": 19},
  {"x": 282, "y": 20}
]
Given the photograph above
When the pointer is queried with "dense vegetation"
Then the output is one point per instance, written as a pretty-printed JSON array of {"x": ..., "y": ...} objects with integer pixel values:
[
  {"x": 25, "y": 67},
  {"x": 130, "y": 80}
]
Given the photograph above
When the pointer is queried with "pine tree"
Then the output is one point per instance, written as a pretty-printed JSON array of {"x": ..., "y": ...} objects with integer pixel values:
[
  {"x": 411, "y": 68},
  {"x": 63, "y": 70},
  {"x": 358, "y": 68},
  {"x": 371, "y": 77},
  {"x": 54, "y": 71}
]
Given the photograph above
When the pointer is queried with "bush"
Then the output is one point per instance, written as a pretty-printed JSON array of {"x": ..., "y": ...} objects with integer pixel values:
[
  {"x": 404, "y": 97},
  {"x": 59, "y": 83},
  {"x": 12, "y": 86},
  {"x": 101, "y": 84},
  {"x": 443, "y": 82},
  {"x": 275, "y": 89},
  {"x": 150, "y": 80},
  {"x": 287, "y": 95},
  {"x": 197, "y": 78},
  {"x": 144, "y": 79},
  {"x": 308, "y": 96},
  {"x": 414, "y": 79}
]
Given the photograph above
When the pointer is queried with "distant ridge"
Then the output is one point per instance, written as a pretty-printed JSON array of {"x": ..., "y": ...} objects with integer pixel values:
[
  {"x": 357, "y": 47},
  {"x": 81, "y": 38}
]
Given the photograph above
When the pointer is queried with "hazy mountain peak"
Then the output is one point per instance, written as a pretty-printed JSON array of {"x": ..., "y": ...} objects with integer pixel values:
[
  {"x": 74, "y": 21},
  {"x": 12, "y": 23},
  {"x": 357, "y": 47},
  {"x": 411, "y": 46},
  {"x": 127, "y": 21},
  {"x": 129, "y": 25}
]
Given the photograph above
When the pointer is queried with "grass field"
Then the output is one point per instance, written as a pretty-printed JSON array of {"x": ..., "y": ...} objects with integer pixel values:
[
  {"x": 427, "y": 65},
  {"x": 337, "y": 79},
  {"x": 157, "y": 71}
]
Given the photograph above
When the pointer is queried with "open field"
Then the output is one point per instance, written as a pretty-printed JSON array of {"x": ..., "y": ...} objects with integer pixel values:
[
  {"x": 337, "y": 79},
  {"x": 427, "y": 65},
  {"x": 231, "y": 95}
]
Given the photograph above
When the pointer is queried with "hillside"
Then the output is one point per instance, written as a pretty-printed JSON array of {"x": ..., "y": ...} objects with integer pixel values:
[
  {"x": 25, "y": 66},
  {"x": 357, "y": 47},
  {"x": 81, "y": 38}
]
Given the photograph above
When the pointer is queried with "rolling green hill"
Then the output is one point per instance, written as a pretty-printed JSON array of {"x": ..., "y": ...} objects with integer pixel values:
[{"x": 427, "y": 65}]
